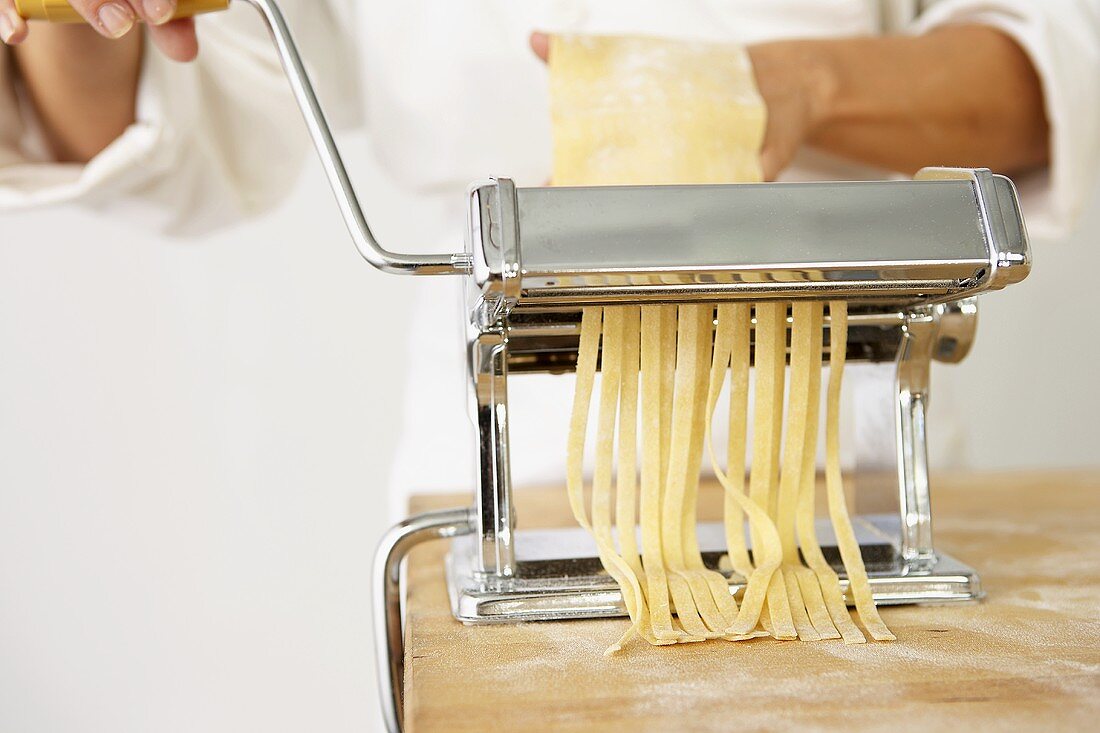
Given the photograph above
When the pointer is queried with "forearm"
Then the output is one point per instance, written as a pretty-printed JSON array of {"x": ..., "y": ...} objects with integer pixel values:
[
  {"x": 962, "y": 95},
  {"x": 83, "y": 87}
]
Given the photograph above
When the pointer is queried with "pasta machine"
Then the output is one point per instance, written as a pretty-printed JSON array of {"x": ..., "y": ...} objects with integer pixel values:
[{"x": 909, "y": 256}]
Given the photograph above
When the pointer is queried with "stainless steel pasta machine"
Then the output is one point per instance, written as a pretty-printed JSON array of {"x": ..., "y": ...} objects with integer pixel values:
[{"x": 909, "y": 256}]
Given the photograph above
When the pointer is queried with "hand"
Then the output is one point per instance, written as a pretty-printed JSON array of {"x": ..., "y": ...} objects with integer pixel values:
[
  {"x": 114, "y": 19},
  {"x": 82, "y": 81},
  {"x": 798, "y": 90}
]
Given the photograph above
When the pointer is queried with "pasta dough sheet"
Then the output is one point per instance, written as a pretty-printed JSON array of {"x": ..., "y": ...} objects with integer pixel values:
[
  {"x": 632, "y": 110},
  {"x": 644, "y": 110}
]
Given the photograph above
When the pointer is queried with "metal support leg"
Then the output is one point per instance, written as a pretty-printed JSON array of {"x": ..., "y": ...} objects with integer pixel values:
[
  {"x": 914, "y": 362},
  {"x": 389, "y": 641},
  {"x": 489, "y": 371}
]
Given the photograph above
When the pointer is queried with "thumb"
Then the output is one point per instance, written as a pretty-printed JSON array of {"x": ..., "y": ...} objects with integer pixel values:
[
  {"x": 13, "y": 29},
  {"x": 775, "y": 156},
  {"x": 540, "y": 44}
]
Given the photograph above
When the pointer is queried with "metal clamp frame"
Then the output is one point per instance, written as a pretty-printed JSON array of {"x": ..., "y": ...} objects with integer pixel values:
[{"x": 389, "y": 641}]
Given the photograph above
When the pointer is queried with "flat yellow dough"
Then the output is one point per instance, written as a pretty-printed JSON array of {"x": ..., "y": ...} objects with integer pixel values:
[
  {"x": 634, "y": 110},
  {"x": 630, "y": 110}
]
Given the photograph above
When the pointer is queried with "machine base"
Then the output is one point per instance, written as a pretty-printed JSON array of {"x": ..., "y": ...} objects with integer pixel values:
[{"x": 559, "y": 576}]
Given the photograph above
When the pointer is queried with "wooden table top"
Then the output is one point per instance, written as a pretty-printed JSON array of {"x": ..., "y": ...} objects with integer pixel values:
[{"x": 1026, "y": 657}]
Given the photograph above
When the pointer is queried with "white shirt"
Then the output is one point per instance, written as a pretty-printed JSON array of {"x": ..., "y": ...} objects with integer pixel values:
[{"x": 450, "y": 93}]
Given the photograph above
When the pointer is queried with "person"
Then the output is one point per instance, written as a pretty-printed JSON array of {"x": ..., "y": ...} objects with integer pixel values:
[{"x": 451, "y": 93}]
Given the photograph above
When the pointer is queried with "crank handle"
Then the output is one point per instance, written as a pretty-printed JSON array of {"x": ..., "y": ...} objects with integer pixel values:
[{"x": 59, "y": 11}]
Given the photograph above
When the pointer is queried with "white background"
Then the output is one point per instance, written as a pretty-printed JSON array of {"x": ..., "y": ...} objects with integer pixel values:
[{"x": 194, "y": 443}]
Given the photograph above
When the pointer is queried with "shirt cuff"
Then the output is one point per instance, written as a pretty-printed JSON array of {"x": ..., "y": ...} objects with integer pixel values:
[{"x": 1062, "y": 40}]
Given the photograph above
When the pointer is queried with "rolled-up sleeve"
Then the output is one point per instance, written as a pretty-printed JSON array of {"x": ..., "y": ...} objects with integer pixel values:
[
  {"x": 1062, "y": 39},
  {"x": 213, "y": 142}
]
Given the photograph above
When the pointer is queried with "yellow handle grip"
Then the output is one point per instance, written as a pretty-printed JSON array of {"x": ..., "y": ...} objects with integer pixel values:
[{"x": 59, "y": 11}]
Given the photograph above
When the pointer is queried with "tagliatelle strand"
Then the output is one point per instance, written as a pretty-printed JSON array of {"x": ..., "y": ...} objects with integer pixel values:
[
  {"x": 627, "y": 473},
  {"x": 694, "y": 602},
  {"x": 736, "y": 318},
  {"x": 811, "y": 582},
  {"x": 858, "y": 584},
  {"x": 652, "y": 478},
  {"x": 704, "y": 581},
  {"x": 734, "y": 321},
  {"x": 633, "y": 596},
  {"x": 770, "y": 359}
]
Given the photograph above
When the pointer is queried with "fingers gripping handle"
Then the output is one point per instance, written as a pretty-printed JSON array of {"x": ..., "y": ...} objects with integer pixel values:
[{"x": 59, "y": 11}]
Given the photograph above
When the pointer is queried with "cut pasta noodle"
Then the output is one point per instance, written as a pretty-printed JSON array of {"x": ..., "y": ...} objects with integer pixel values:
[
  {"x": 665, "y": 366},
  {"x": 846, "y": 541}
]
